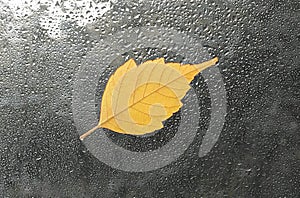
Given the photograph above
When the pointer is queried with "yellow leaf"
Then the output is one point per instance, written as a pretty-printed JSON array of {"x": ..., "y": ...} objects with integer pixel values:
[{"x": 137, "y": 99}]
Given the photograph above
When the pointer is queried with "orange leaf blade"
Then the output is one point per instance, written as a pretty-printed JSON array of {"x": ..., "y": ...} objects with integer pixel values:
[{"x": 138, "y": 99}]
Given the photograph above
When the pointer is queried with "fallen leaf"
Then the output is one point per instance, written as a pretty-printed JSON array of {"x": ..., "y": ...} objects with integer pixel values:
[{"x": 137, "y": 99}]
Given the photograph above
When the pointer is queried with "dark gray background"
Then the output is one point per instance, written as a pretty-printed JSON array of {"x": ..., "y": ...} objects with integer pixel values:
[{"x": 257, "y": 154}]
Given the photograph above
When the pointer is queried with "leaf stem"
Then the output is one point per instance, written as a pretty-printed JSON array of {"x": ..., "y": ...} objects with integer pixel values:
[{"x": 89, "y": 132}]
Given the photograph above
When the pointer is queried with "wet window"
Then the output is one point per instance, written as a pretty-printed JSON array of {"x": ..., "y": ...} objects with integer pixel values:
[{"x": 144, "y": 98}]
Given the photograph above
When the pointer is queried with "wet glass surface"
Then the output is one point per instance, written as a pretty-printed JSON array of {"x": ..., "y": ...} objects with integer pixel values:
[{"x": 237, "y": 134}]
